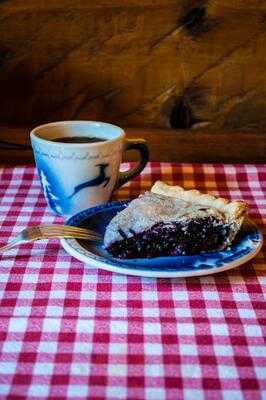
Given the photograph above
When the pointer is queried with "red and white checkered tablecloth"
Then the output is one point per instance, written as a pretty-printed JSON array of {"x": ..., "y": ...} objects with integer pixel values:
[{"x": 68, "y": 331}]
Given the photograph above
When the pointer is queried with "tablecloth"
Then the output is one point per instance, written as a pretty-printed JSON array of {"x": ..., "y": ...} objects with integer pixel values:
[{"x": 68, "y": 331}]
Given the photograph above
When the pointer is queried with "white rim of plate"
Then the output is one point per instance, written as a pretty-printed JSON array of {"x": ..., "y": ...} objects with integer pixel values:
[{"x": 85, "y": 258}]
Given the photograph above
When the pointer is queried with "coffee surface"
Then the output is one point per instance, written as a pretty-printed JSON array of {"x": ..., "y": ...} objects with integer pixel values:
[{"x": 78, "y": 139}]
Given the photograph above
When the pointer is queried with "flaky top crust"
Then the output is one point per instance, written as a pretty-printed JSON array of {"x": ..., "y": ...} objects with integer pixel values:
[{"x": 234, "y": 211}]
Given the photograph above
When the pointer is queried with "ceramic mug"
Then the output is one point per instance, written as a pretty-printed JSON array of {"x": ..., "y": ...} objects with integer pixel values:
[{"x": 75, "y": 176}]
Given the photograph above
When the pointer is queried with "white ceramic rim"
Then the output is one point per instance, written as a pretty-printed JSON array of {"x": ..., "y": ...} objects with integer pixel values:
[
  {"x": 34, "y": 135},
  {"x": 66, "y": 243}
]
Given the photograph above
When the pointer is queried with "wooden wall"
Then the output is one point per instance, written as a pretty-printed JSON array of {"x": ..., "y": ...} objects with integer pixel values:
[{"x": 160, "y": 63}]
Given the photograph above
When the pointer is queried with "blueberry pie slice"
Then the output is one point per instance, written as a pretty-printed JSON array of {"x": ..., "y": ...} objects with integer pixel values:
[{"x": 171, "y": 221}]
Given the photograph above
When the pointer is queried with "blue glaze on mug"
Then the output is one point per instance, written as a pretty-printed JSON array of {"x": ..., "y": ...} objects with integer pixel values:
[
  {"x": 76, "y": 176},
  {"x": 97, "y": 181},
  {"x": 52, "y": 188}
]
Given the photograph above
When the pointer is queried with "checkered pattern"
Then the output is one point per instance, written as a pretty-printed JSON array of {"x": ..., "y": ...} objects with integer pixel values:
[{"x": 70, "y": 331}]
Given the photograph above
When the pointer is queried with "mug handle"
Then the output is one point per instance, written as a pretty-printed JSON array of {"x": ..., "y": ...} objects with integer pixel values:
[{"x": 141, "y": 146}]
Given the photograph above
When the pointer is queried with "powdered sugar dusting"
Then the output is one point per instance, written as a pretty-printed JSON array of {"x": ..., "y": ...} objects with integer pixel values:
[{"x": 150, "y": 209}]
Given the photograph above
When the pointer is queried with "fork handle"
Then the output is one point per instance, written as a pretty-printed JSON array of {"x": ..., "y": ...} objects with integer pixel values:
[{"x": 19, "y": 240}]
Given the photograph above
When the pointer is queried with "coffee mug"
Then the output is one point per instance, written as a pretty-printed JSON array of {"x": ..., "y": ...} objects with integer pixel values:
[{"x": 78, "y": 163}]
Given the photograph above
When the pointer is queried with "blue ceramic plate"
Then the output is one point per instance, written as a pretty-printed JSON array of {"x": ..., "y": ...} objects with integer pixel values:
[{"x": 246, "y": 246}]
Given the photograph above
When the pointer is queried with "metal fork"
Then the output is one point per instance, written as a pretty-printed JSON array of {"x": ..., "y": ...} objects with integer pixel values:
[{"x": 39, "y": 232}]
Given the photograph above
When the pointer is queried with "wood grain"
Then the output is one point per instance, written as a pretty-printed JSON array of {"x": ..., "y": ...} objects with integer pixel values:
[
  {"x": 155, "y": 63},
  {"x": 167, "y": 145}
]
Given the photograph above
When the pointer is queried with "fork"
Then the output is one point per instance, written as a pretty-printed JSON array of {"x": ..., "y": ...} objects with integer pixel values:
[{"x": 39, "y": 232}]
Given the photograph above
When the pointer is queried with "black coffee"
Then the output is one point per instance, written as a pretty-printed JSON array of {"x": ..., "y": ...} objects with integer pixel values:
[{"x": 78, "y": 139}]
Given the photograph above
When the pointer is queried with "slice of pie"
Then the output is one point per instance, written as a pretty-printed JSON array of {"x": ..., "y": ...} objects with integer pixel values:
[{"x": 171, "y": 221}]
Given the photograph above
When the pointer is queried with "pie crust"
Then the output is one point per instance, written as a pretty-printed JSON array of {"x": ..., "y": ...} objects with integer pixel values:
[
  {"x": 170, "y": 220},
  {"x": 234, "y": 211}
]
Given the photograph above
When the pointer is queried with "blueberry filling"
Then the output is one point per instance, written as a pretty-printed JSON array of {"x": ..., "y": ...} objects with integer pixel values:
[{"x": 187, "y": 237}]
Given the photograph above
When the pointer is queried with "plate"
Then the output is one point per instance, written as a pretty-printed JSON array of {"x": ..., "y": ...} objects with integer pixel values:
[{"x": 245, "y": 247}]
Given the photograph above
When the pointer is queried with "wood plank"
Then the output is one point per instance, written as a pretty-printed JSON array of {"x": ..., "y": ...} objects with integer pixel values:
[
  {"x": 204, "y": 146},
  {"x": 153, "y": 63},
  {"x": 167, "y": 145}
]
